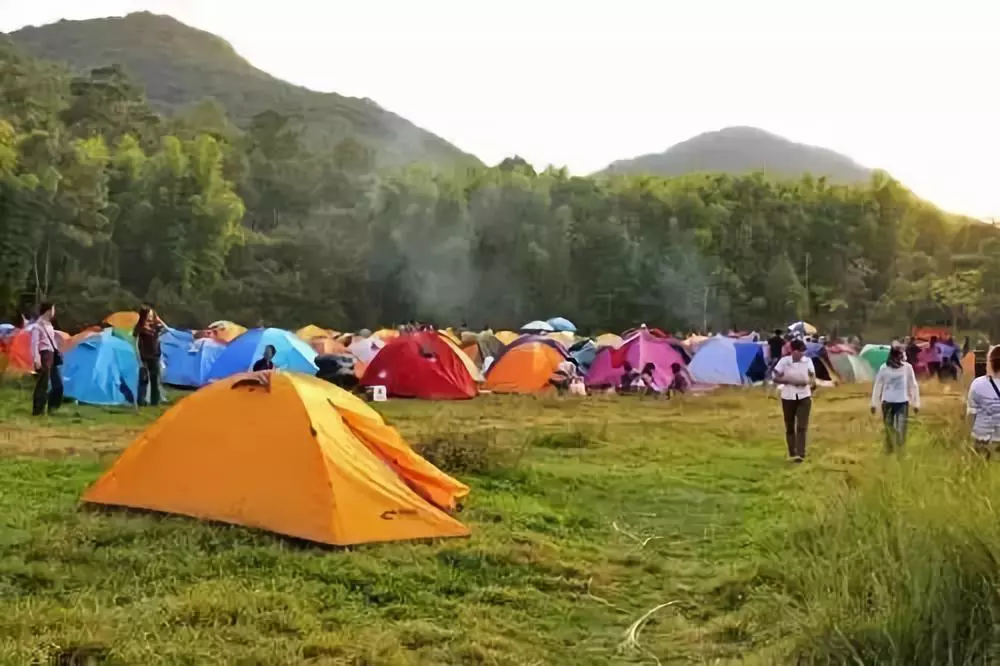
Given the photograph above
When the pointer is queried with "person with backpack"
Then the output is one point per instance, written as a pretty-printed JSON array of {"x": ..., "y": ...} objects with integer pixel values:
[
  {"x": 895, "y": 391},
  {"x": 47, "y": 359},
  {"x": 983, "y": 405}
]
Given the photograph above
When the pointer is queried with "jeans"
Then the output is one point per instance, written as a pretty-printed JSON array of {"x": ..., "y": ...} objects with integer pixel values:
[
  {"x": 48, "y": 386},
  {"x": 895, "y": 416},
  {"x": 149, "y": 378},
  {"x": 796, "y": 413}
]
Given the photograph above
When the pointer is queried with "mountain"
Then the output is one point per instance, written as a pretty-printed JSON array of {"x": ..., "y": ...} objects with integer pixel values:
[
  {"x": 180, "y": 65},
  {"x": 743, "y": 149}
]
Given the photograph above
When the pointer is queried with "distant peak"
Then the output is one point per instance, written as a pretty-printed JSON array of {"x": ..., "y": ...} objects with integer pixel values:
[{"x": 742, "y": 149}]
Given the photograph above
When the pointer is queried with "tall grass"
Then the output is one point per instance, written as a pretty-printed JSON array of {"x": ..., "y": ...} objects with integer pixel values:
[{"x": 899, "y": 566}]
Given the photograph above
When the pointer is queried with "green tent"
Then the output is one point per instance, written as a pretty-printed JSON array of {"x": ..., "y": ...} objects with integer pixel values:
[
  {"x": 851, "y": 368},
  {"x": 875, "y": 355}
]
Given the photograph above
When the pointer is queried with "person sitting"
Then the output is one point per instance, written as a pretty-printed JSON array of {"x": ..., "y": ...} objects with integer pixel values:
[
  {"x": 628, "y": 378},
  {"x": 681, "y": 381},
  {"x": 646, "y": 382},
  {"x": 563, "y": 376},
  {"x": 266, "y": 362}
]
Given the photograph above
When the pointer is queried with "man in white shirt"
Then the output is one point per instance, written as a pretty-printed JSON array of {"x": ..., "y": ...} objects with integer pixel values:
[{"x": 797, "y": 376}]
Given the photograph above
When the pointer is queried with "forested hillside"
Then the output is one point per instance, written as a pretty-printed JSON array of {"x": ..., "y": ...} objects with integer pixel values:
[
  {"x": 179, "y": 65},
  {"x": 104, "y": 201},
  {"x": 740, "y": 150}
]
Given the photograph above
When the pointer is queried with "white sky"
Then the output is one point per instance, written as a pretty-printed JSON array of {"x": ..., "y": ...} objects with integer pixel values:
[{"x": 910, "y": 86}]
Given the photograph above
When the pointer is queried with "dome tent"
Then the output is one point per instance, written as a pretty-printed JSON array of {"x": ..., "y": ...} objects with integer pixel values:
[
  {"x": 291, "y": 353},
  {"x": 188, "y": 361},
  {"x": 421, "y": 365},
  {"x": 287, "y": 453},
  {"x": 721, "y": 360},
  {"x": 102, "y": 369},
  {"x": 525, "y": 366}
]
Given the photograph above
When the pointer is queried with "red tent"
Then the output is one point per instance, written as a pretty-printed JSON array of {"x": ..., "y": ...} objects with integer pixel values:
[{"x": 420, "y": 365}]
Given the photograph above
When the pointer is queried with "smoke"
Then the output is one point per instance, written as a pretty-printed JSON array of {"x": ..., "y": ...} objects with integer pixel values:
[{"x": 688, "y": 288}]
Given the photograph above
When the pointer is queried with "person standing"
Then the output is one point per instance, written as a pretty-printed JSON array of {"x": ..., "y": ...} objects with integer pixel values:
[
  {"x": 934, "y": 358},
  {"x": 912, "y": 351},
  {"x": 796, "y": 375},
  {"x": 895, "y": 390},
  {"x": 147, "y": 336},
  {"x": 46, "y": 357},
  {"x": 983, "y": 405},
  {"x": 775, "y": 344}
]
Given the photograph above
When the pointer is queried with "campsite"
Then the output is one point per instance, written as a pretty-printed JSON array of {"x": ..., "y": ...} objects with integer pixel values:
[
  {"x": 476, "y": 516},
  {"x": 397, "y": 334}
]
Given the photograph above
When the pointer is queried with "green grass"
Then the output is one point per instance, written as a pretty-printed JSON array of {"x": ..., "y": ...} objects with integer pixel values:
[{"x": 585, "y": 515}]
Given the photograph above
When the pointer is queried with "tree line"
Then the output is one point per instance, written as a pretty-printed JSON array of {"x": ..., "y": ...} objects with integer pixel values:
[{"x": 104, "y": 203}]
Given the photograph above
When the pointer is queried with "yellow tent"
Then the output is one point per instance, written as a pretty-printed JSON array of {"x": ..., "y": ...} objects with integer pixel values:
[
  {"x": 226, "y": 331},
  {"x": 507, "y": 337},
  {"x": 311, "y": 331},
  {"x": 123, "y": 320},
  {"x": 470, "y": 365},
  {"x": 386, "y": 334},
  {"x": 566, "y": 338},
  {"x": 608, "y": 340},
  {"x": 287, "y": 453}
]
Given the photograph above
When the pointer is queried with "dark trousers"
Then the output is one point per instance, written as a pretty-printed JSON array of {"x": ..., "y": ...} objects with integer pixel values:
[
  {"x": 149, "y": 378},
  {"x": 796, "y": 414},
  {"x": 895, "y": 416},
  {"x": 48, "y": 386}
]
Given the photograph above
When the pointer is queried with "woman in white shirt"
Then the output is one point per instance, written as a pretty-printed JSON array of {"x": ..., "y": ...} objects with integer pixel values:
[
  {"x": 796, "y": 375},
  {"x": 896, "y": 390},
  {"x": 984, "y": 405}
]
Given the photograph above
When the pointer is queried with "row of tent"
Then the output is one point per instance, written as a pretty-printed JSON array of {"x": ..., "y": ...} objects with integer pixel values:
[{"x": 101, "y": 366}]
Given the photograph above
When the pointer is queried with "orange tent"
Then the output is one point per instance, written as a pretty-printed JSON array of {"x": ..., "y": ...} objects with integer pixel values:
[
  {"x": 969, "y": 366},
  {"x": 287, "y": 453},
  {"x": 17, "y": 354},
  {"x": 75, "y": 339},
  {"x": 525, "y": 366},
  {"x": 386, "y": 334}
]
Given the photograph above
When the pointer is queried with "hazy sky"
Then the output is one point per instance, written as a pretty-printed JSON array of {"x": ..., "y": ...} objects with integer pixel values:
[{"x": 906, "y": 85}]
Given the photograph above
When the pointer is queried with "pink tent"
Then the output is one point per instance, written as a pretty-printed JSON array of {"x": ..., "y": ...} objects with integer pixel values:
[{"x": 638, "y": 350}]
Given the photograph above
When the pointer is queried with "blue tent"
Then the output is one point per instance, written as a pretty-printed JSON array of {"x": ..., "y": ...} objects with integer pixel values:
[
  {"x": 538, "y": 326},
  {"x": 102, "y": 369},
  {"x": 188, "y": 361},
  {"x": 583, "y": 354},
  {"x": 240, "y": 355},
  {"x": 726, "y": 361},
  {"x": 562, "y": 324}
]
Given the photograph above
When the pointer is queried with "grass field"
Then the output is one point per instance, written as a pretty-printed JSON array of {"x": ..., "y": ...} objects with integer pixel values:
[{"x": 587, "y": 515}]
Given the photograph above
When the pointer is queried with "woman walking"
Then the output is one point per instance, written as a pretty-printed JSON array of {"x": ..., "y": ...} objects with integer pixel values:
[
  {"x": 895, "y": 390},
  {"x": 147, "y": 336},
  {"x": 45, "y": 352},
  {"x": 796, "y": 375},
  {"x": 984, "y": 405}
]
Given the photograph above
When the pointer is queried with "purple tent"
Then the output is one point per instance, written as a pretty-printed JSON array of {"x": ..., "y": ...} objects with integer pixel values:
[{"x": 638, "y": 350}]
